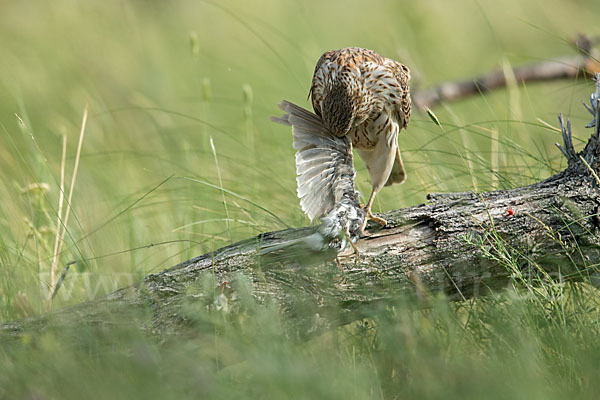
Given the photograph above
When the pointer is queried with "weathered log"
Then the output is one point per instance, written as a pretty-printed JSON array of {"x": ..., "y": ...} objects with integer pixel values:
[{"x": 459, "y": 244}]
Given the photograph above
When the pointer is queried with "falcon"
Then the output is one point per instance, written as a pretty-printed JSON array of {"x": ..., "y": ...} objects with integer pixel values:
[
  {"x": 363, "y": 98},
  {"x": 360, "y": 94}
]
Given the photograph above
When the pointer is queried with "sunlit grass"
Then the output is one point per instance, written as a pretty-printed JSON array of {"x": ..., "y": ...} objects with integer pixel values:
[{"x": 180, "y": 158}]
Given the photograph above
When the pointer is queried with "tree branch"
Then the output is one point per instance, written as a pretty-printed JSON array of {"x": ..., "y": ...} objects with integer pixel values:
[{"x": 583, "y": 65}]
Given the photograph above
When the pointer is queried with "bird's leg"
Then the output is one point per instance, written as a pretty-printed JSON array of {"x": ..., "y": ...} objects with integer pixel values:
[
  {"x": 370, "y": 215},
  {"x": 339, "y": 264},
  {"x": 356, "y": 252}
]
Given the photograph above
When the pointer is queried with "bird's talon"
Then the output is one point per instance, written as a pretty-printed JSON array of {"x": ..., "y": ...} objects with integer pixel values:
[
  {"x": 378, "y": 220},
  {"x": 356, "y": 252},
  {"x": 339, "y": 264},
  {"x": 371, "y": 217}
]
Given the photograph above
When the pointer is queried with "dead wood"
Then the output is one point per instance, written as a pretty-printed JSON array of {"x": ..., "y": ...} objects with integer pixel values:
[{"x": 582, "y": 65}]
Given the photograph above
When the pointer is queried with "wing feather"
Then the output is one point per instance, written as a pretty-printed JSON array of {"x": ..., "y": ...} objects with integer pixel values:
[{"x": 321, "y": 159}]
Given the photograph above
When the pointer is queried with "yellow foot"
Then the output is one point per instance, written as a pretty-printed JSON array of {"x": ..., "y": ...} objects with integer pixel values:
[
  {"x": 371, "y": 217},
  {"x": 339, "y": 264},
  {"x": 356, "y": 252},
  {"x": 378, "y": 220}
]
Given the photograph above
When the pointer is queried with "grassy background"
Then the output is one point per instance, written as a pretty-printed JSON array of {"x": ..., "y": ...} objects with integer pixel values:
[{"x": 164, "y": 80}]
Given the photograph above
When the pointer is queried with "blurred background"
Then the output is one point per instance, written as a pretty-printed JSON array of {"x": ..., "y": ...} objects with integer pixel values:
[{"x": 178, "y": 154}]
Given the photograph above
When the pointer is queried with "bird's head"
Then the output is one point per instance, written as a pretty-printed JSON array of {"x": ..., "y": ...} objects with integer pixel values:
[{"x": 337, "y": 110}]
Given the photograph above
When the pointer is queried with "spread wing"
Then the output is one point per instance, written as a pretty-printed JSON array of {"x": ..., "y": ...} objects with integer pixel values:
[{"x": 323, "y": 161}]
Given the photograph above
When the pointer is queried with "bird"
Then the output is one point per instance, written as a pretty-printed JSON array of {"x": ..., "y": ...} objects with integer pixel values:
[
  {"x": 325, "y": 169},
  {"x": 360, "y": 100},
  {"x": 364, "y": 96},
  {"x": 338, "y": 230}
]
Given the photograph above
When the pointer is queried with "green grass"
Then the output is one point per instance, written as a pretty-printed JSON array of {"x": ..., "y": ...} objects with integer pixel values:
[{"x": 179, "y": 158}]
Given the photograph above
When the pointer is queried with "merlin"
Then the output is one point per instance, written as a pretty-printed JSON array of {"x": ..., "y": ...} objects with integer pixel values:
[{"x": 364, "y": 98}]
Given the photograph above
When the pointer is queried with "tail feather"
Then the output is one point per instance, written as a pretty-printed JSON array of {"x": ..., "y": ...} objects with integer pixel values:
[
  {"x": 398, "y": 174},
  {"x": 307, "y": 250},
  {"x": 302, "y": 119}
]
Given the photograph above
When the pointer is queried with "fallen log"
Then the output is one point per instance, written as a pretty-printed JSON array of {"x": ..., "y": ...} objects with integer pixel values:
[{"x": 460, "y": 245}]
